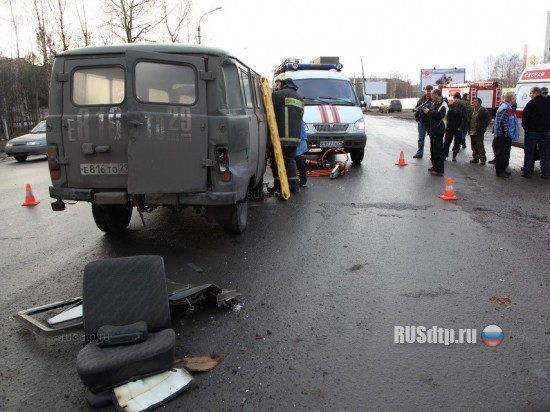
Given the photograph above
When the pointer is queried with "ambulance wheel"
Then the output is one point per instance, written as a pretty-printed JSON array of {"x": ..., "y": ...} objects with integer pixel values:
[
  {"x": 234, "y": 217},
  {"x": 112, "y": 218},
  {"x": 357, "y": 155}
]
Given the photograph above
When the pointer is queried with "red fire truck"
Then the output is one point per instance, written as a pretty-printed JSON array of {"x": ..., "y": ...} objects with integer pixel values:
[{"x": 490, "y": 93}]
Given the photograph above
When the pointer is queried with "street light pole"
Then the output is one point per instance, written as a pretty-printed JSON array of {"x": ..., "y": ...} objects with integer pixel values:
[{"x": 199, "y": 26}]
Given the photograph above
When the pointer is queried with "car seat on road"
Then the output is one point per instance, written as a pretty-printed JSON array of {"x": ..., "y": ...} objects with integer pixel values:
[{"x": 126, "y": 319}]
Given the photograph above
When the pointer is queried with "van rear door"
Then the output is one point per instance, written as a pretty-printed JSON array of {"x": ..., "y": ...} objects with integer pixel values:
[
  {"x": 93, "y": 125},
  {"x": 167, "y": 123}
]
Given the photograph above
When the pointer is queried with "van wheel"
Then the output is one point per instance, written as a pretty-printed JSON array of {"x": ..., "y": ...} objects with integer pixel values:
[
  {"x": 233, "y": 218},
  {"x": 20, "y": 158},
  {"x": 357, "y": 155},
  {"x": 112, "y": 218}
]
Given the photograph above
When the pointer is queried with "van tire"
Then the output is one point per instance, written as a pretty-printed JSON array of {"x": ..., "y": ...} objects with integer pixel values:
[
  {"x": 20, "y": 158},
  {"x": 234, "y": 217},
  {"x": 112, "y": 218},
  {"x": 357, "y": 155}
]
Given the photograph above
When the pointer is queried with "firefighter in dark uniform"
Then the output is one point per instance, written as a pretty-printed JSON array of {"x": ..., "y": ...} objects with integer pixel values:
[{"x": 289, "y": 111}]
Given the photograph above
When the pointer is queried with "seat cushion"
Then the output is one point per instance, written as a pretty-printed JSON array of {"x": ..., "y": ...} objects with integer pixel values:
[{"x": 107, "y": 367}]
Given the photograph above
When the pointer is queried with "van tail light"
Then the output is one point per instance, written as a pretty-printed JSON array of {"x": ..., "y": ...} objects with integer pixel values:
[
  {"x": 53, "y": 162},
  {"x": 223, "y": 164}
]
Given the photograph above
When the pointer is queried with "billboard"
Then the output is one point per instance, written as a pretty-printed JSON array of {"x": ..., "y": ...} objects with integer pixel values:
[
  {"x": 375, "y": 88},
  {"x": 435, "y": 77}
]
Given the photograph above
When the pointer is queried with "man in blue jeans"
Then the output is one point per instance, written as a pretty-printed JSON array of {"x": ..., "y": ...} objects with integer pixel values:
[
  {"x": 536, "y": 123},
  {"x": 422, "y": 121}
]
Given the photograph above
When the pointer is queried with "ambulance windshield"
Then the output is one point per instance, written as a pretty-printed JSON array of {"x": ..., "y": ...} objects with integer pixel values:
[{"x": 326, "y": 91}]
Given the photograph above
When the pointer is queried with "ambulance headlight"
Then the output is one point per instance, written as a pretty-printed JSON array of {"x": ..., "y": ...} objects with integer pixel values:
[{"x": 359, "y": 124}]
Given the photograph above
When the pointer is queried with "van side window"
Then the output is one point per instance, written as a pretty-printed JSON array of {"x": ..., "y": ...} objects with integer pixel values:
[
  {"x": 257, "y": 91},
  {"x": 230, "y": 92},
  {"x": 165, "y": 83},
  {"x": 98, "y": 86},
  {"x": 246, "y": 88}
]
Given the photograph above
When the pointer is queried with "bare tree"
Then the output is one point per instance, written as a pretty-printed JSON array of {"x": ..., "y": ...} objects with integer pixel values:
[
  {"x": 489, "y": 64},
  {"x": 58, "y": 13},
  {"x": 507, "y": 69},
  {"x": 85, "y": 34},
  {"x": 15, "y": 28},
  {"x": 182, "y": 12},
  {"x": 132, "y": 20},
  {"x": 474, "y": 70},
  {"x": 43, "y": 36},
  {"x": 535, "y": 59}
]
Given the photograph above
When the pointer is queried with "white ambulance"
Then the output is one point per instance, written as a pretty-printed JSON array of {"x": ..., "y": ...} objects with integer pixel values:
[
  {"x": 535, "y": 75},
  {"x": 332, "y": 112}
]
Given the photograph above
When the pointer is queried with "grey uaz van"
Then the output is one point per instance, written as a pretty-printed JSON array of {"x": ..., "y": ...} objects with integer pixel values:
[{"x": 148, "y": 125}]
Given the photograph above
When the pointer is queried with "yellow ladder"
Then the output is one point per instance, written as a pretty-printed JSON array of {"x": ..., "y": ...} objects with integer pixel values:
[{"x": 275, "y": 141}]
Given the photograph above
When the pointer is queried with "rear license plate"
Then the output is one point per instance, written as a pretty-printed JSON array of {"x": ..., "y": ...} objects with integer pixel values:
[
  {"x": 331, "y": 143},
  {"x": 94, "y": 169}
]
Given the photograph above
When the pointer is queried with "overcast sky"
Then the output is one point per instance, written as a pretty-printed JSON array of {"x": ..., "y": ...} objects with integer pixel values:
[{"x": 387, "y": 36}]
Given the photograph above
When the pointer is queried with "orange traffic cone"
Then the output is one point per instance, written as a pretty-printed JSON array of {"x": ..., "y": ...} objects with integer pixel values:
[
  {"x": 29, "y": 198},
  {"x": 449, "y": 192},
  {"x": 402, "y": 160}
]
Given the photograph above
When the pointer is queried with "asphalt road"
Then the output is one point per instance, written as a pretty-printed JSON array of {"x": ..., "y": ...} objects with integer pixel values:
[{"x": 325, "y": 278}]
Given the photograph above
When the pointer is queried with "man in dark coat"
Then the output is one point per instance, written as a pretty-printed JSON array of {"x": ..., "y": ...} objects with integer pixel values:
[
  {"x": 536, "y": 123},
  {"x": 457, "y": 119},
  {"x": 437, "y": 115}
]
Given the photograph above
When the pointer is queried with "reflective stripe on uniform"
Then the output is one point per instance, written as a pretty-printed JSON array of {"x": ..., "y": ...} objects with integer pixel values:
[
  {"x": 290, "y": 139},
  {"x": 290, "y": 101},
  {"x": 286, "y": 122}
]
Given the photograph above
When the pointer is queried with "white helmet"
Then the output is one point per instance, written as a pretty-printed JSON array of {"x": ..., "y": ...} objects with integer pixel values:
[
  {"x": 283, "y": 77},
  {"x": 286, "y": 80}
]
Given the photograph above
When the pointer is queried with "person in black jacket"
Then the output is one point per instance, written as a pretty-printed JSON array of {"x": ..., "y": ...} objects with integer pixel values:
[
  {"x": 289, "y": 111},
  {"x": 457, "y": 119},
  {"x": 437, "y": 115},
  {"x": 536, "y": 123}
]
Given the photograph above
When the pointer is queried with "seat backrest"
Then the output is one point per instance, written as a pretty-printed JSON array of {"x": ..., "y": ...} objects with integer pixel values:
[{"x": 121, "y": 291}]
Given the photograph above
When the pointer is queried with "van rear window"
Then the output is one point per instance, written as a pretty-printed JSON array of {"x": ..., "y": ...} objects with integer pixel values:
[
  {"x": 165, "y": 83},
  {"x": 98, "y": 86}
]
